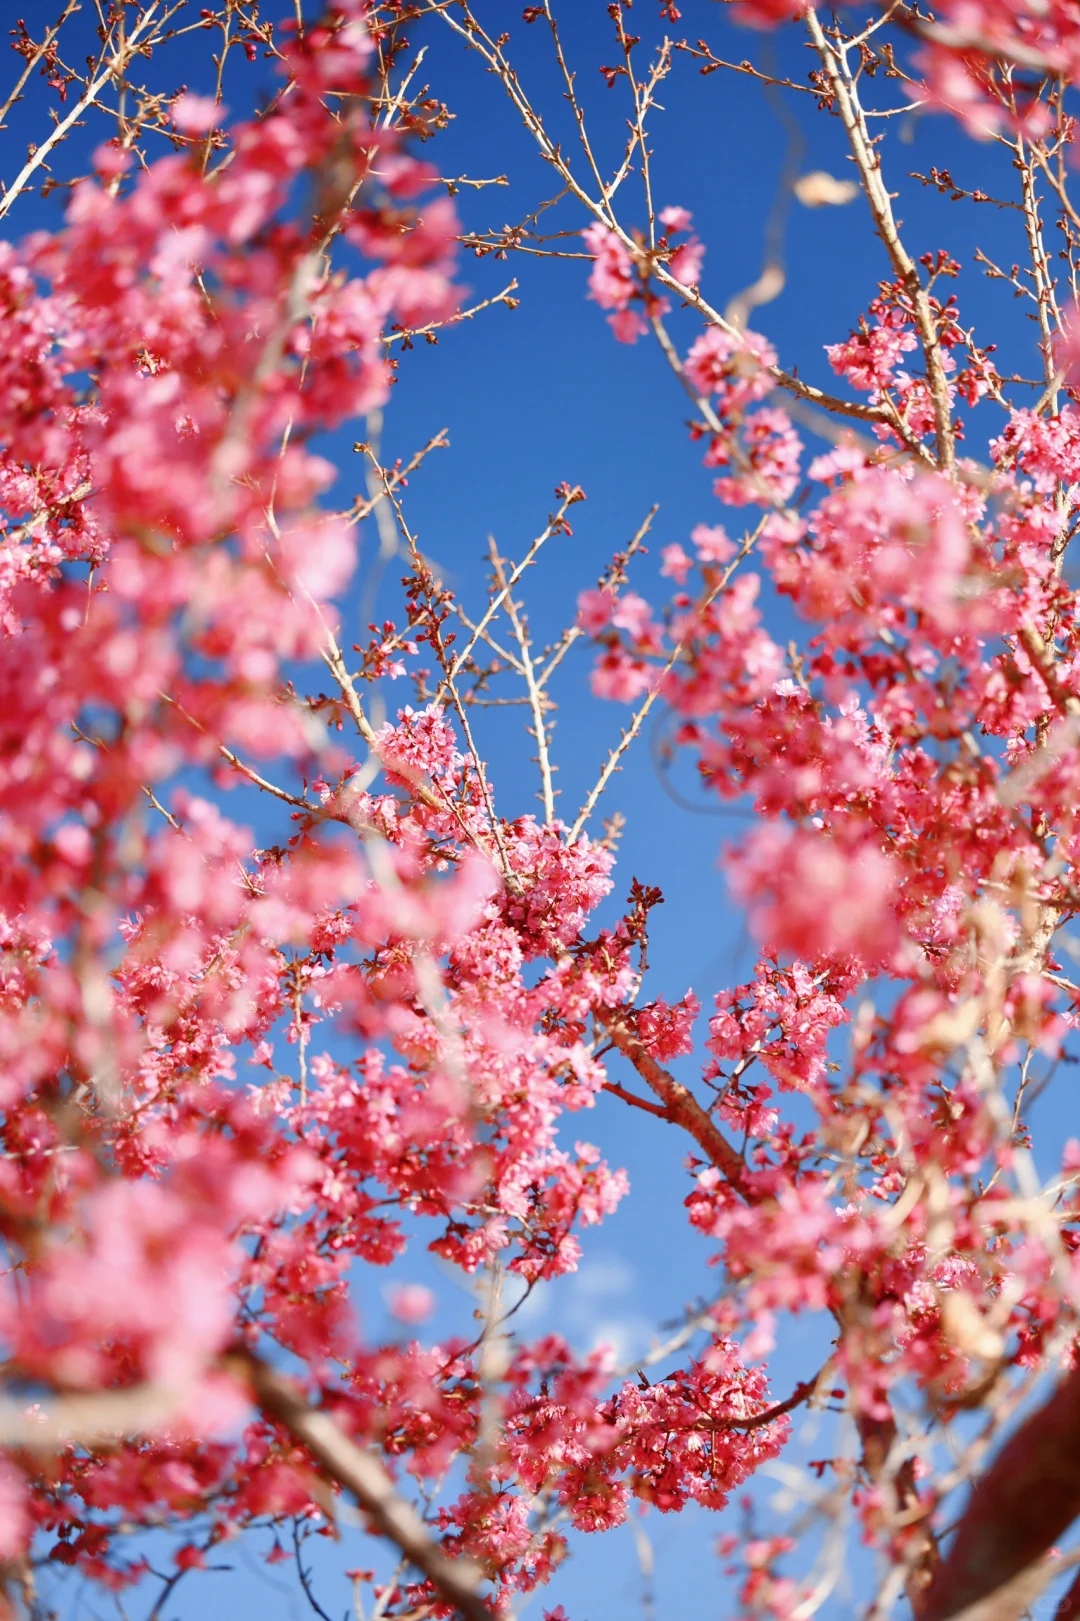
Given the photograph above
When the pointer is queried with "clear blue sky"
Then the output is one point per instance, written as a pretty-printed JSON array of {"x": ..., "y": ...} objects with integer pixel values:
[{"x": 544, "y": 394}]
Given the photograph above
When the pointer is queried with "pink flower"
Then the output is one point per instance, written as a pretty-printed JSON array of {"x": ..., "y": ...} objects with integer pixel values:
[
  {"x": 767, "y": 13},
  {"x": 631, "y": 613},
  {"x": 411, "y": 1302},
  {"x": 595, "y": 609},
  {"x": 712, "y": 543},
  {"x": 617, "y": 675},
  {"x": 1046, "y": 448},
  {"x": 666, "y": 1031},
  {"x": 771, "y": 449},
  {"x": 812, "y": 897},
  {"x": 676, "y": 564},
  {"x": 627, "y": 325},
  {"x": 612, "y": 282},
  {"x": 111, "y": 160},
  {"x": 685, "y": 263},
  {"x": 675, "y": 219},
  {"x": 869, "y": 358},
  {"x": 733, "y": 367},
  {"x": 197, "y": 115}
]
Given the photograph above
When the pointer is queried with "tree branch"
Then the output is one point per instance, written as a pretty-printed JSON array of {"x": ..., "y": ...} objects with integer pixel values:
[
  {"x": 1027, "y": 1499},
  {"x": 681, "y": 1107},
  {"x": 360, "y": 1472}
]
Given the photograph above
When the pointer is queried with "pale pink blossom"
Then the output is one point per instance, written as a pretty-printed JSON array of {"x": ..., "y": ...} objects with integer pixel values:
[{"x": 411, "y": 1302}]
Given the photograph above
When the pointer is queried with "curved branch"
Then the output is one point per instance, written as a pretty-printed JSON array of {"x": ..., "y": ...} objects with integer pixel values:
[
  {"x": 360, "y": 1472},
  {"x": 681, "y": 1107},
  {"x": 1027, "y": 1499}
]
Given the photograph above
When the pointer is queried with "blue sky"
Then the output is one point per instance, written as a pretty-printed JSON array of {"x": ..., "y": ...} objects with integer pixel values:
[{"x": 544, "y": 394}]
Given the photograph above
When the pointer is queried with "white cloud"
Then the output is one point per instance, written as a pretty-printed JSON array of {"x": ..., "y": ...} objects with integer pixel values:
[
  {"x": 627, "y": 1336},
  {"x": 606, "y": 1275}
]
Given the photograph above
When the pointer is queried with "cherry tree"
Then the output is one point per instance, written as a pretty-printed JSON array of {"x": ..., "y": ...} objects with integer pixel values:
[{"x": 240, "y": 1075}]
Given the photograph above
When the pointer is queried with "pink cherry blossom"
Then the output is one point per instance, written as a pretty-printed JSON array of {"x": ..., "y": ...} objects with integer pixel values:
[
  {"x": 411, "y": 1303},
  {"x": 195, "y": 115}
]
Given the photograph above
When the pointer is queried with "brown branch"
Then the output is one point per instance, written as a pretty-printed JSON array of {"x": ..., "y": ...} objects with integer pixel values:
[
  {"x": 94, "y": 1419},
  {"x": 1025, "y": 1501},
  {"x": 363, "y": 509},
  {"x": 611, "y": 764},
  {"x": 34, "y": 58},
  {"x": 868, "y": 163},
  {"x": 117, "y": 64},
  {"x": 769, "y": 1415},
  {"x": 1042, "y": 657},
  {"x": 704, "y": 54},
  {"x": 614, "y": 574},
  {"x": 601, "y": 209},
  {"x": 534, "y": 692},
  {"x": 406, "y": 334},
  {"x": 359, "y": 1471},
  {"x": 681, "y": 1108},
  {"x": 554, "y": 526},
  {"x": 637, "y": 1103},
  {"x": 801, "y": 1393}
]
